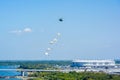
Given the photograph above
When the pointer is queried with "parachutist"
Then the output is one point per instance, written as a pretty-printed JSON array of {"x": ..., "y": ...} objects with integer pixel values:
[
  {"x": 58, "y": 34},
  {"x": 46, "y": 53},
  {"x": 52, "y": 42}
]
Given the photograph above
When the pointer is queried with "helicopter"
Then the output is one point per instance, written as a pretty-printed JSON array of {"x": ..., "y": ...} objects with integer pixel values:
[{"x": 60, "y": 19}]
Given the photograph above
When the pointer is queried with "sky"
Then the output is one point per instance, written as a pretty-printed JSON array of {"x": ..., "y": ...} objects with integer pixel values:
[{"x": 90, "y": 29}]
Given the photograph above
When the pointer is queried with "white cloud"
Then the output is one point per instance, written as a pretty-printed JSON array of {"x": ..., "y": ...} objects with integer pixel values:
[
  {"x": 25, "y": 30},
  {"x": 16, "y": 31}
]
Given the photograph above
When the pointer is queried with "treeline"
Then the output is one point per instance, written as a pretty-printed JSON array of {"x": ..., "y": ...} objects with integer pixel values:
[
  {"x": 73, "y": 76},
  {"x": 44, "y": 64},
  {"x": 36, "y": 64}
]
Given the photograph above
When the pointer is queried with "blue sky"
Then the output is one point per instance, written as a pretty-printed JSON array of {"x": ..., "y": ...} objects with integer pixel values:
[{"x": 90, "y": 30}]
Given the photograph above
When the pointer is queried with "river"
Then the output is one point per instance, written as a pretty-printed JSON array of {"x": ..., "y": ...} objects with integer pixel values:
[{"x": 9, "y": 73}]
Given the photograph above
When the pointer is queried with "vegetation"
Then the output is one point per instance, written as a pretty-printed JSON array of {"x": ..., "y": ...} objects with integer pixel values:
[
  {"x": 73, "y": 76},
  {"x": 36, "y": 64}
]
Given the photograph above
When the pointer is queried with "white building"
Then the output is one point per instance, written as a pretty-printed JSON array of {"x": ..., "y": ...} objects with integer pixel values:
[{"x": 93, "y": 63}]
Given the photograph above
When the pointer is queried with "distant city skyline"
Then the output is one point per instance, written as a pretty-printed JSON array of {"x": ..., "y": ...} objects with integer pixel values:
[{"x": 90, "y": 29}]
